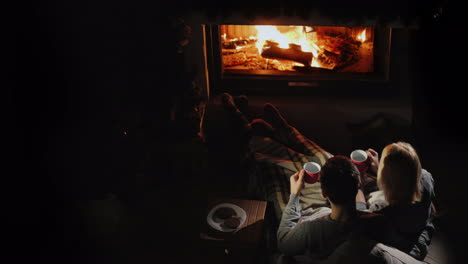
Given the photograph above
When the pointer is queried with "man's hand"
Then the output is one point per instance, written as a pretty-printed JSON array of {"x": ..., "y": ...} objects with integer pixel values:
[
  {"x": 297, "y": 182},
  {"x": 374, "y": 161}
]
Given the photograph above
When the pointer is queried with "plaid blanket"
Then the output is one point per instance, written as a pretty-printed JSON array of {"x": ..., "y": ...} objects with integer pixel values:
[{"x": 277, "y": 159}]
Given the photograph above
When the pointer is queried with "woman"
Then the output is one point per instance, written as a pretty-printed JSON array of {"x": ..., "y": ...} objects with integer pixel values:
[{"x": 405, "y": 197}]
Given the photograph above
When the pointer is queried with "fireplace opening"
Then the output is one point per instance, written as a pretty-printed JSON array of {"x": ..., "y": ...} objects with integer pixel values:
[
  {"x": 301, "y": 58},
  {"x": 299, "y": 52},
  {"x": 305, "y": 49}
]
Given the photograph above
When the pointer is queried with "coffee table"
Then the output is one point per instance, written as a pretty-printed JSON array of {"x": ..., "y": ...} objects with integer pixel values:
[{"x": 242, "y": 244}]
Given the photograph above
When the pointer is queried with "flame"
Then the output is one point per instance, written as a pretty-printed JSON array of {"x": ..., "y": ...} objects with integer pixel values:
[
  {"x": 295, "y": 35},
  {"x": 362, "y": 36}
]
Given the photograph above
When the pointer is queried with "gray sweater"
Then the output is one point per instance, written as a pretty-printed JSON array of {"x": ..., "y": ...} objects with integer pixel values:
[{"x": 318, "y": 238}]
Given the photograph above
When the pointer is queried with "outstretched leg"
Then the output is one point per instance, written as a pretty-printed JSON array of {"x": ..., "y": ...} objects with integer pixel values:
[
  {"x": 290, "y": 136},
  {"x": 281, "y": 150},
  {"x": 239, "y": 120}
]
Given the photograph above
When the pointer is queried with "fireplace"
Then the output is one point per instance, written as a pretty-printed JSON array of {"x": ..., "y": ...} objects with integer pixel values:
[
  {"x": 293, "y": 58},
  {"x": 317, "y": 50}
]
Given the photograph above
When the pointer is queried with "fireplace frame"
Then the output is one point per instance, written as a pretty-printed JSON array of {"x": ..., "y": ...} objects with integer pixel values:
[{"x": 292, "y": 83}]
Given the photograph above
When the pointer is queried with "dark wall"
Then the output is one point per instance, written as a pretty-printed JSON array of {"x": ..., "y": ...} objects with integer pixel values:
[
  {"x": 439, "y": 121},
  {"x": 83, "y": 73},
  {"x": 438, "y": 98}
]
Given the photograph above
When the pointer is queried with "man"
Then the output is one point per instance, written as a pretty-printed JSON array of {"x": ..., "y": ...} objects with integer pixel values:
[{"x": 326, "y": 235}]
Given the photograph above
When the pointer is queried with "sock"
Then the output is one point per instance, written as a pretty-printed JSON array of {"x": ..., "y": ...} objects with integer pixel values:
[
  {"x": 239, "y": 121},
  {"x": 283, "y": 131},
  {"x": 242, "y": 103},
  {"x": 280, "y": 125}
]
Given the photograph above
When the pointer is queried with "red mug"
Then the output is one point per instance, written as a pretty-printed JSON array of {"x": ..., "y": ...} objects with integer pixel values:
[
  {"x": 360, "y": 158},
  {"x": 311, "y": 172}
]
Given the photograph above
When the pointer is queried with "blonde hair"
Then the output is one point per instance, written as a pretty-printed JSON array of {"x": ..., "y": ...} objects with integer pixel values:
[{"x": 399, "y": 173}]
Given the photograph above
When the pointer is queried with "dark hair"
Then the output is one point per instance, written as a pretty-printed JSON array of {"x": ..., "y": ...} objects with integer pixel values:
[{"x": 340, "y": 179}]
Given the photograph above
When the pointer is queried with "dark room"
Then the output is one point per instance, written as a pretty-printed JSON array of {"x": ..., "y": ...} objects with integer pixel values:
[{"x": 151, "y": 132}]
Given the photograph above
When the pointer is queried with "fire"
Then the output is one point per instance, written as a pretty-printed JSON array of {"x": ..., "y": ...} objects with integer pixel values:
[
  {"x": 295, "y": 35},
  {"x": 362, "y": 37},
  {"x": 285, "y": 47}
]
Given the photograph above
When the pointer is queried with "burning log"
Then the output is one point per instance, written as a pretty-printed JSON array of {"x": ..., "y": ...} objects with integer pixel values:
[
  {"x": 294, "y": 53},
  {"x": 234, "y": 43}
]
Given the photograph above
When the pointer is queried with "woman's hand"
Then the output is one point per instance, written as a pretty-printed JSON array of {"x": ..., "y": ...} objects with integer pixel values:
[
  {"x": 297, "y": 182},
  {"x": 374, "y": 161}
]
